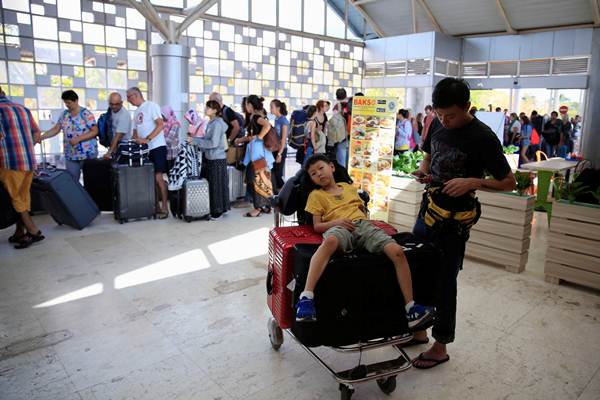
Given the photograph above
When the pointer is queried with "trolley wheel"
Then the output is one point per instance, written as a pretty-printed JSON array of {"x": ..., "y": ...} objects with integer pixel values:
[
  {"x": 387, "y": 385},
  {"x": 275, "y": 334},
  {"x": 346, "y": 392}
]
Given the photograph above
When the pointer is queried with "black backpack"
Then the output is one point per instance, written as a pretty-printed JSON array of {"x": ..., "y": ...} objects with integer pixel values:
[
  {"x": 105, "y": 133},
  {"x": 298, "y": 121}
]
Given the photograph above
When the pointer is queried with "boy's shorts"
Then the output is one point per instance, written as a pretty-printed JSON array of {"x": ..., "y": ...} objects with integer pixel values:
[{"x": 365, "y": 236}]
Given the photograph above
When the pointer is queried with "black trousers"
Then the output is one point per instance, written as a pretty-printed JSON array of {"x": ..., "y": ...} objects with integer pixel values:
[{"x": 278, "y": 171}]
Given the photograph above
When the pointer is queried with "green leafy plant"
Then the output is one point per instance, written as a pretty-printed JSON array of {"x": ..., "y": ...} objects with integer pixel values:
[
  {"x": 510, "y": 149},
  {"x": 596, "y": 194},
  {"x": 524, "y": 182},
  {"x": 407, "y": 162},
  {"x": 569, "y": 191}
]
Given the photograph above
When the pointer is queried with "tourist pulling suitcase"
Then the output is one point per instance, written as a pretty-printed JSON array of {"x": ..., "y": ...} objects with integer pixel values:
[{"x": 97, "y": 182}]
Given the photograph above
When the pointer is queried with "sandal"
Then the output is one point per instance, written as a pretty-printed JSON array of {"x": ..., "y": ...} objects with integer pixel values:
[
  {"x": 28, "y": 239},
  {"x": 249, "y": 214},
  {"x": 435, "y": 362},
  {"x": 15, "y": 238},
  {"x": 163, "y": 215},
  {"x": 265, "y": 210}
]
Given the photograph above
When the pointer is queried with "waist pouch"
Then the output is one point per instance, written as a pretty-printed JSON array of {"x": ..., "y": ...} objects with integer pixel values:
[{"x": 438, "y": 209}]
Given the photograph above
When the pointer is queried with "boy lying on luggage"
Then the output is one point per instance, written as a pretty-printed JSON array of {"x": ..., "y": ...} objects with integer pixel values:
[{"x": 339, "y": 213}]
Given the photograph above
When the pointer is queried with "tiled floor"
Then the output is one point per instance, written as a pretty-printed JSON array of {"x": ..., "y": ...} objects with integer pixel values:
[{"x": 169, "y": 310}]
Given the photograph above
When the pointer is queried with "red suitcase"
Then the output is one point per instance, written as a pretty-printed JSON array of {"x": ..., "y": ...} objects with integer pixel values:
[{"x": 281, "y": 269}]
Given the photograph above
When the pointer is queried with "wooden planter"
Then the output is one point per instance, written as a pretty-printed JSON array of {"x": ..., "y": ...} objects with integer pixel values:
[
  {"x": 405, "y": 199},
  {"x": 502, "y": 235},
  {"x": 574, "y": 244}
]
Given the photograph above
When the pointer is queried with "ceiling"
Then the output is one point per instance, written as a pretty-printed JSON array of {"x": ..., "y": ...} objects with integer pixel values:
[{"x": 465, "y": 17}]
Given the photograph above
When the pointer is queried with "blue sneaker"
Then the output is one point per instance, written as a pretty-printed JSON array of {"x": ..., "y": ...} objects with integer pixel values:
[
  {"x": 418, "y": 315},
  {"x": 305, "y": 310}
]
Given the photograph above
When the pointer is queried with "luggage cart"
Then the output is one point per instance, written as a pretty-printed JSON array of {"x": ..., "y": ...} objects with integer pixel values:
[{"x": 383, "y": 372}]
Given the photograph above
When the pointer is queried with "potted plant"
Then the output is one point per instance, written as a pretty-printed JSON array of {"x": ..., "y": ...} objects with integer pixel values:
[
  {"x": 512, "y": 156},
  {"x": 524, "y": 182}
]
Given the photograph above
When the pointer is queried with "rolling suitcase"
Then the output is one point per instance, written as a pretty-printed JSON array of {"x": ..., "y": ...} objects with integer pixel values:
[
  {"x": 64, "y": 198},
  {"x": 358, "y": 297},
  {"x": 237, "y": 187},
  {"x": 281, "y": 269},
  {"x": 134, "y": 190},
  {"x": 131, "y": 153},
  {"x": 96, "y": 180},
  {"x": 195, "y": 199}
]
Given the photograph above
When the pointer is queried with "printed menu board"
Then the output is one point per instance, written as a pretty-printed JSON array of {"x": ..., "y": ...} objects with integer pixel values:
[{"x": 371, "y": 153}]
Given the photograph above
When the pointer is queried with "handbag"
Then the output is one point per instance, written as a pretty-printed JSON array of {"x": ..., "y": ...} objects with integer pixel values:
[
  {"x": 259, "y": 164},
  {"x": 271, "y": 141}
]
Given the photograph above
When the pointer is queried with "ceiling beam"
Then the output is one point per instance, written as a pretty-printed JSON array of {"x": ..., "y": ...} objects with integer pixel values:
[
  {"x": 509, "y": 28},
  {"x": 595, "y": 11},
  {"x": 200, "y": 9},
  {"x": 368, "y": 18},
  {"x": 414, "y": 15},
  {"x": 434, "y": 22}
]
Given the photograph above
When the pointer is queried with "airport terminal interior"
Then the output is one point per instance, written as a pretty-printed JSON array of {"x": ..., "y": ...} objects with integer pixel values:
[{"x": 201, "y": 296}]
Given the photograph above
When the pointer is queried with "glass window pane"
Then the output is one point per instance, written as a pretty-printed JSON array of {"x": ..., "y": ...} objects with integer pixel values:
[
  {"x": 316, "y": 22},
  {"x": 196, "y": 84},
  {"x": 117, "y": 79},
  {"x": 241, "y": 52},
  {"x": 136, "y": 60},
  {"x": 3, "y": 73},
  {"x": 46, "y": 51},
  {"x": 290, "y": 14},
  {"x": 336, "y": 26},
  {"x": 69, "y": 9},
  {"x": 269, "y": 72},
  {"x": 211, "y": 66},
  {"x": 18, "y": 5},
  {"x": 196, "y": 29},
  {"x": 71, "y": 53},
  {"x": 227, "y": 32},
  {"x": 93, "y": 34},
  {"x": 135, "y": 19},
  {"x": 236, "y": 9},
  {"x": 95, "y": 78},
  {"x": 211, "y": 48},
  {"x": 263, "y": 11},
  {"x": 21, "y": 73},
  {"x": 45, "y": 28},
  {"x": 49, "y": 98},
  {"x": 115, "y": 37},
  {"x": 495, "y": 97},
  {"x": 227, "y": 67}
]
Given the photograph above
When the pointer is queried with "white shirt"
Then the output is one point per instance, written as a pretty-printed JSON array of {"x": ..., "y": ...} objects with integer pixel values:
[{"x": 144, "y": 122}]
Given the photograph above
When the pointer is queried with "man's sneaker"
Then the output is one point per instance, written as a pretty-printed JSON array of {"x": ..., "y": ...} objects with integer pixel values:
[
  {"x": 305, "y": 310},
  {"x": 419, "y": 314}
]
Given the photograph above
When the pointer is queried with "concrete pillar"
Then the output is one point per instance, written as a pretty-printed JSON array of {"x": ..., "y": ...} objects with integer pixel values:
[
  {"x": 591, "y": 124},
  {"x": 415, "y": 100},
  {"x": 170, "y": 78}
]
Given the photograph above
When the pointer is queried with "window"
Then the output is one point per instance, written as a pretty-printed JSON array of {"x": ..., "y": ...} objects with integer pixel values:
[
  {"x": 136, "y": 60},
  {"x": 46, "y": 51},
  {"x": 290, "y": 14},
  {"x": 49, "y": 98},
  {"x": 316, "y": 22},
  {"x": 69, "y": 9},
  {"x": 18, "y": 5},
  {"x": 264, "y": 11},
  {"x": 236, "y": 9},
  {"x": 71, "y": 53},
  {"x": 93, "y": 34},
  {"x": 3, "y": 74},
  {"x": 495, "y": 97},
  {"x": 44, "y": 28},
  {"x": 336, "y": 26},
  {"x": 115, "y": 36},
  {"x": 117, "y": 79},
  {"x": 21, "y": 73},
  {"x": 135, "y": 19},
  {"x": 95, "y": 78}
]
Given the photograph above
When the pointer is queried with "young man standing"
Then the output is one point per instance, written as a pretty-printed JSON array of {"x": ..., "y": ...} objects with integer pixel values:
[
  {"x": 148, "y": 129},
  {"x": 458, "y": 149}
]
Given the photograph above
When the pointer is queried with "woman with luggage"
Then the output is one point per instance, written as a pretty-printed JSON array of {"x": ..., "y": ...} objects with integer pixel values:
[
  {"x": 214, "y": 169},
  {"x": 258, "y": 160},
  {"x": 79, "y": 133}
]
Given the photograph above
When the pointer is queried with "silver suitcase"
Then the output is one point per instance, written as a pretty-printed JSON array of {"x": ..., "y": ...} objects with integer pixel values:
[
  {"x": 237, "y": 187},
  {"x": 196, "y": 199}
]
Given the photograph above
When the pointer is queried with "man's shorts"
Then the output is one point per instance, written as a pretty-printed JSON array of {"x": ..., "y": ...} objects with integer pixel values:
[
  {"x": 365, "y": 236},
  {"x": 158, "y": 157},
  {"x": 18, "y": 186}
]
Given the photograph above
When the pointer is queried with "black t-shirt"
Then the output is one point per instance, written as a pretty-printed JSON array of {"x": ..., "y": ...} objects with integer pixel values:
[
  {"x": 228, "y": 117},
  {"x": 465, "y": 152}
]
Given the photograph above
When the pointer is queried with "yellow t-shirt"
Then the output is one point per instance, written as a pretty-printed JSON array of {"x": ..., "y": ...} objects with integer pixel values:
[{"x": 329, "y": 207}]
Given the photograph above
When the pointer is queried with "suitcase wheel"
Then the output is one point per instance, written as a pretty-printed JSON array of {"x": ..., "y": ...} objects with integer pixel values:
[
  {"x": 275, "y": 334},
  {"x": 187, "y": 219},
  {"x": 387, "y": 385},
  {"x": 346, "y": 392}
]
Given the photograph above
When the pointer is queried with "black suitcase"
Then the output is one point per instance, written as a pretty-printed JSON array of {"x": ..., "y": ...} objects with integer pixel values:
[
  {"x": 96, "y": 180},
  {"x": 358, "y": 297},
  {"x": 8, "y": 215},
  {"x": 133, "y": 190},
  {"x": 64, "y": 198},
  {"x": 132, "y": 154}
]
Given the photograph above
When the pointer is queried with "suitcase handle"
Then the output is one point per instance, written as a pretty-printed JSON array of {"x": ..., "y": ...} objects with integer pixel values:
[{"x": 270, "y": 282}]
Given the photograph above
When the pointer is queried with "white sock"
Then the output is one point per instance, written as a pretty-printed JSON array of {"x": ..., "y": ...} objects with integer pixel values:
[
  {"x": 307, "y": 294},
  {"x": 408, "y": 306}
]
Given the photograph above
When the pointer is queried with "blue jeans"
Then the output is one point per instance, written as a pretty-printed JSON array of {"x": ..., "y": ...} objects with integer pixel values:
[
  {"x": 453, "y": 247},
  {"x": 74, "y": 168},
  {"x": 341, "y": 153}
]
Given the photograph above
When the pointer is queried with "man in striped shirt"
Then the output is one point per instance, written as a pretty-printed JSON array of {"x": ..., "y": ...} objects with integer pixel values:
[{"x": 18, "y": 134}]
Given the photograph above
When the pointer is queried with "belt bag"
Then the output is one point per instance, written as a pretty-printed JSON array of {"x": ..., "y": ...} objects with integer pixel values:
[{"x": 441, "y": 208}]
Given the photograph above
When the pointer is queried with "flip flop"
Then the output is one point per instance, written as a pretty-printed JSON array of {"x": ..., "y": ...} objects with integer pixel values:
[
  {"x": 249, "y": 215},
  {"x": 412, "y": 342},
  {"x": 28, "y": 239},
  {"x": 421, "y": 357},
  {"x": 15, "y": 238}
]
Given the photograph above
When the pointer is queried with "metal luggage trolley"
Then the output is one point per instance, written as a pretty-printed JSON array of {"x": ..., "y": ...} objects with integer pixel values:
[{"x": 383, "y": 372}]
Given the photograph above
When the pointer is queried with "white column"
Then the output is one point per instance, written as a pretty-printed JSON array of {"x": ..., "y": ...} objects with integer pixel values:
[{"x": 590, "y": 140}]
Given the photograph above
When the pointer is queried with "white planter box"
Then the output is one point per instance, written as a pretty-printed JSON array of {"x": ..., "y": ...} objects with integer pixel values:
[
  {"x": 502, "y": 235},
  {"x": 574, "y": 244},
  {"x": 405, "y": 200}
]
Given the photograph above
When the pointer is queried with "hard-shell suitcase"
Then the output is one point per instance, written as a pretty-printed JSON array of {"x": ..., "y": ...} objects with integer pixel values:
[
  {"x": 133, "y": 154},
  {"x": 64, "y": 198},
  {"x": 281, "y": 269},
  {"x": 237, "y": 187},
  {"x": 96, "y": 180},
  {"x": 192, "y": 201},
  {"x": 134, "y": 192},
  {"x": 358, "y": 297}
]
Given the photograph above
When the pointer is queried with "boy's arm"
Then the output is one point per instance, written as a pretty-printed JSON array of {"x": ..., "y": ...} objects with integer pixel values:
[{"x": 321, "y": 227}]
